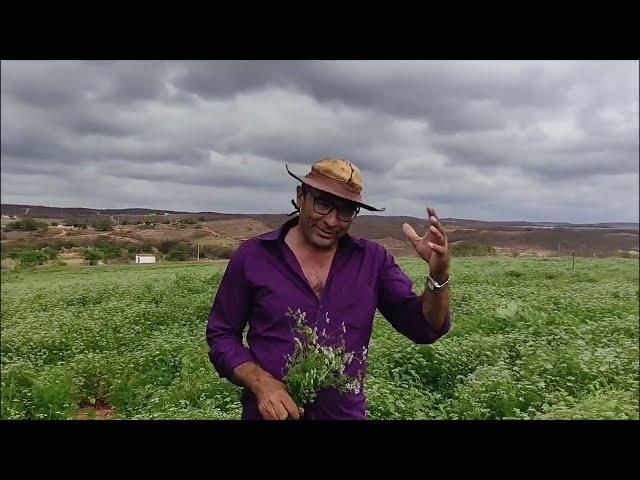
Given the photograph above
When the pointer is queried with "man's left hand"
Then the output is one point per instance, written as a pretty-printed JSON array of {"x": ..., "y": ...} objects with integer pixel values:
[{"x": 432, "y": 247}]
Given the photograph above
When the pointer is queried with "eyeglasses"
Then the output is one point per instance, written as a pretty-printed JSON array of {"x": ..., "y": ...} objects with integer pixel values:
[{"x": 324, "y": 206}]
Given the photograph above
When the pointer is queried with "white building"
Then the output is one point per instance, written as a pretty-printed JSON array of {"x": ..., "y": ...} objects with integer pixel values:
[{"x": 145, "y": 258}]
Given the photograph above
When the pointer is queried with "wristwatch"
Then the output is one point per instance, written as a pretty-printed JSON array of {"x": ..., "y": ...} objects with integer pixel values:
[{"x": 435, "y": 287}]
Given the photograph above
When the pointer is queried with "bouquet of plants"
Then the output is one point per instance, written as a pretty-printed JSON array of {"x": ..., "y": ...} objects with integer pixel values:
[{"x": 314, "y": 365}]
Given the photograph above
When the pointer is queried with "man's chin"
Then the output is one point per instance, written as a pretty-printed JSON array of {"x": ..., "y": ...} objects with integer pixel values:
[{"x": 323, "y": 242}]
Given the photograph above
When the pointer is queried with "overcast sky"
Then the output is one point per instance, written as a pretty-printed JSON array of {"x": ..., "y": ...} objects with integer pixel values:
[{"x": 489, "y": 140}]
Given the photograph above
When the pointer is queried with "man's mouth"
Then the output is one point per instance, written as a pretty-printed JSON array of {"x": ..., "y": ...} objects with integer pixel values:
[{"x": 325, "y": 234}]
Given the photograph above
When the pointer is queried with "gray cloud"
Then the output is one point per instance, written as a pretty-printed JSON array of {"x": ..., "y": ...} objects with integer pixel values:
[{"x": 478, "y": 139}]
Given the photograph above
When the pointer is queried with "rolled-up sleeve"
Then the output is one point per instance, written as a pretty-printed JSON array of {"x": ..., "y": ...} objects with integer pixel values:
[
  {"x": 402, "y": 307},
  {"x": 228, "y": 316}
]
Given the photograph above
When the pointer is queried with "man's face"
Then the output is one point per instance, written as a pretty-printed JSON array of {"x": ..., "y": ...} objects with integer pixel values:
[{"x": 320, "y": 229}]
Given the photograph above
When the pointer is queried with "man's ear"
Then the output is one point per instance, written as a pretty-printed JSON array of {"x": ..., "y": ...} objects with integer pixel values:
[{"x": 296, "y": 204}]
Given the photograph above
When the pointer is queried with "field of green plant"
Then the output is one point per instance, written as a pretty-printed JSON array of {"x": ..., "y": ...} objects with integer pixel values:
[{"x": 532, "y": 339}]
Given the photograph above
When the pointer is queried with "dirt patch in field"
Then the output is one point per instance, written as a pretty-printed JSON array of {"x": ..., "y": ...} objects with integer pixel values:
[
  {"x": 8, "y": 263},
  {"x": 524, "y": 250},
  {"x": 156, "y": 235},
  {"x": 17, "y": 235},
  {"x": 72, "y": 259},
  {"x": 217, "y": 241},
  {"x": 49, "y": 220},
  {"x": 391, "y": 242},
  {"x": 238, "y": 229},
  {"x": 99, "y": 411}
]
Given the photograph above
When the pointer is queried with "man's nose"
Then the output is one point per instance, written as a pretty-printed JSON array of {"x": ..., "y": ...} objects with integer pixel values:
[{"x": 331, "y": 218}]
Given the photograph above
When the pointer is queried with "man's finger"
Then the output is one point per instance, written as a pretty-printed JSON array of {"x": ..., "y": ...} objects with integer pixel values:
[
  {"x": 433, "y": 220},
  {"x": 411, "y": 233},
  {"x": 267, "y": 413},
  {"x": 291, "y": 407},
  {"x": 438, "y": 234},
  {"x": 281, "y": 412},
  {"x": 437, "y": 248}
]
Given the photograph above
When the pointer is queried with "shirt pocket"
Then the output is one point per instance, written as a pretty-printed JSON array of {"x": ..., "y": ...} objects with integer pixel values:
[{"x": 355, "y": 308}]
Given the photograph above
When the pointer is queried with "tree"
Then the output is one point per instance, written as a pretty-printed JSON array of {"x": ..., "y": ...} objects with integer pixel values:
[
  {"x": 110, "y": 251},
  {"x": 134, "y": 248},
  {"x": 93, "y": 255},
  {"x": 104, "y": 225},
  {"x": 179, "y": 252},
  {"x": 167, "y": 246},
  {"x": 224, "y": 251},
  {"x": 30, "y": 224}
]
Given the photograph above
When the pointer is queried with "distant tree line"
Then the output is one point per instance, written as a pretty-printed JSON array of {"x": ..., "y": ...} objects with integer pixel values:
[
  {"x": 175, "y": 250},
  {"x": 26, "y": 224},
  {"x": 466, "y": 249}
]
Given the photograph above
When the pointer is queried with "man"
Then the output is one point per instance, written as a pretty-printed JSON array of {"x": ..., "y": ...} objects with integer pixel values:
[{"x": 312, "y": 264}]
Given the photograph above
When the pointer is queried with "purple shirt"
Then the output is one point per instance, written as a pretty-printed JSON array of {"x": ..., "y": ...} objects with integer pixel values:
[{"x": 263, "y": 279}]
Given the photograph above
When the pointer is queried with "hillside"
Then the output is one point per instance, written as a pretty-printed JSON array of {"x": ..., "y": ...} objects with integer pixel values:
[{"x": 214, "y": 228}]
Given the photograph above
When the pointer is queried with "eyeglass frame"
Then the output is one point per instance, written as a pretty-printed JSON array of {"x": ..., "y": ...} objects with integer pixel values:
[{"x": 356, "y": 209}]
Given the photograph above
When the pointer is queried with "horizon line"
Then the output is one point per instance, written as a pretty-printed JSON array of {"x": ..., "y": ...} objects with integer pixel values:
[{"x": 285, "y": 213}]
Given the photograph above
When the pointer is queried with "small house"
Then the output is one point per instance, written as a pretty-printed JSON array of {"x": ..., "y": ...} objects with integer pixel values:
[{"x": 145, "y": 258}]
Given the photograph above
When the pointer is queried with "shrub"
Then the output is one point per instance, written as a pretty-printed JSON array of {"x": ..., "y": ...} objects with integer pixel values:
[
  {"x": 134, "y": 248},
  {"x": 110, "y": 251},
  {"x": 217, "y": 251},
  {"x": 27, "y": 224},
  {"x": 32, "y": 258},
  {"x": 77, "y": 222},
  {"x": 179, "y": 252},
  {"x": 50, "y": 252},
  {"x": 104, "y": 225},
  {"x": 92, "y": 255},
  {"x": 167, "y": 246}
]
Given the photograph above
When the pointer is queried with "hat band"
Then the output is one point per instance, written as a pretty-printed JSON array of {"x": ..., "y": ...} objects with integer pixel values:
[{"x": 335, "y": 183}]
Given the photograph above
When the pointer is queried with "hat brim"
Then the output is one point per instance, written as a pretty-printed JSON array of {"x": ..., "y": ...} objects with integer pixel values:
[{"x": 312, "y": 182}]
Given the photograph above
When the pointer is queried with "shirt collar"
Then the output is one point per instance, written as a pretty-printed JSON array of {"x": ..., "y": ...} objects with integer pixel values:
[{"x": 280, "y": 233}]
